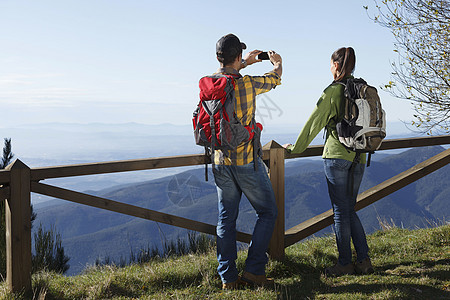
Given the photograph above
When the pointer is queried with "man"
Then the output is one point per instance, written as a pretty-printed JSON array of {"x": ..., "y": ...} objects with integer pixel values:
[{"x": 236, "y": 171}]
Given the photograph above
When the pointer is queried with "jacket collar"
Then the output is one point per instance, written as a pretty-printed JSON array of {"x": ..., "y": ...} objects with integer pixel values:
[{"x": 229, "y": 71}]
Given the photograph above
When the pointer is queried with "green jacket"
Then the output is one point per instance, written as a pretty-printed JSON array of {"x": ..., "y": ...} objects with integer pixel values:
[{"x": 328, "y": 111}]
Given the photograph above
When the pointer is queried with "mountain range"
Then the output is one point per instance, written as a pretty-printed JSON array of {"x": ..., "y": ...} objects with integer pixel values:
[
  {"x": 51, "y": 144},
  {"x": 90, "y": 233}
]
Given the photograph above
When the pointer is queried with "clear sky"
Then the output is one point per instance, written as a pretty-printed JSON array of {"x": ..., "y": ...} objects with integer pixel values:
[{"x": 113, "y": 61}]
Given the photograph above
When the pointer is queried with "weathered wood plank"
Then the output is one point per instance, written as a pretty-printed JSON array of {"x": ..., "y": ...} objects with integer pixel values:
[
  {"x": 4, "y": 176},
  {"x": 18, "y": 229},
  {"x": 117, "y": 166},
  {"x": 307, "y": 228},
  {"x": 128, "y": 209},
  {"x": 276, "y": 175},
  {"x": 390, "y": 144},
  {"x": 415, "y": 142},
  {"x": 403, "y": 179},
  {"x": 314, "y": 150},
  {"x": 370, "y": 196}
]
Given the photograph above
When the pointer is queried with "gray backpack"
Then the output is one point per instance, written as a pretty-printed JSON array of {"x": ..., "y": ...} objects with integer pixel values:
[{"x": 363, "y": 127}]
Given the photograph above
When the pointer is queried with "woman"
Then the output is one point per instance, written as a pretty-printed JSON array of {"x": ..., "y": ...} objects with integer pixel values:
[{"x": 337, "y": 162}]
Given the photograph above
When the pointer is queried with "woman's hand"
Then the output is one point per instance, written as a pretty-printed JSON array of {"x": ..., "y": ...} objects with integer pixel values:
[{"x": 286, "y": 145}]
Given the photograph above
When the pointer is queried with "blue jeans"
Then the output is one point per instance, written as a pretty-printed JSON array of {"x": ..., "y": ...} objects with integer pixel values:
[
  {"x": 231, "y": 182},
  {"x": 343, "y": 199}
]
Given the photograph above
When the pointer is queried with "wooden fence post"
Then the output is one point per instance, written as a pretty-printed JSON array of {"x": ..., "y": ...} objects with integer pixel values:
[
  {"x": 276, "y": 175},
  {"x": 18, "y": 229}
]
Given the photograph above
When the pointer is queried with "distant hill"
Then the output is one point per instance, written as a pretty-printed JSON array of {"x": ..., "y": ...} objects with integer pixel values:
[{"x": 89, "y": 233}]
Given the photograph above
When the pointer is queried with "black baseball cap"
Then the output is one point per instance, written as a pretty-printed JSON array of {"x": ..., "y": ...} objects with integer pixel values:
[{"x": 229, "y": 46}]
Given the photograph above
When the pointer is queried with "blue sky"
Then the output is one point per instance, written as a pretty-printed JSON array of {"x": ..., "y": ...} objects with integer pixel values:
[{"x": 140, "y": 61}]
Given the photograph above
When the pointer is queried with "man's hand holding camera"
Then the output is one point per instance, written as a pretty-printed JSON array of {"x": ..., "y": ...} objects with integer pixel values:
[
  {"x": 276, "y": 61},
  {"x": 252, "y": 57}
]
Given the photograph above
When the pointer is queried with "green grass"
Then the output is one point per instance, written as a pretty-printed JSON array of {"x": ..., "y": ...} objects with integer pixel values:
[{"x": 409, "y": 264}]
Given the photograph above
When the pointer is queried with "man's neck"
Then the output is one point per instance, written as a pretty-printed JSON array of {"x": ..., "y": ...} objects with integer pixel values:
[
  {"x": 230, "y": 66},
  {"x": 235, "y": 65},
  {"x": 229, "y": 70}
]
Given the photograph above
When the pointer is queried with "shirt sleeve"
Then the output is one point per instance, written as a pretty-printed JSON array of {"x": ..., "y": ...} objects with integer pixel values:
[
  {"x": 265, "y": 83},
  {"x": 319, "y": 118}
]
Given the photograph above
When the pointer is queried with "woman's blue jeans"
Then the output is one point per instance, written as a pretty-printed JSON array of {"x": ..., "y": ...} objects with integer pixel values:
[
  {"x": 343, "y": 199},
  {"x": 231, "y": 182}
]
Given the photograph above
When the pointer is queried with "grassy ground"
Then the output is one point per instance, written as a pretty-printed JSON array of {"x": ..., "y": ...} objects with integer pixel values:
[{"x": 409, "y": 264}]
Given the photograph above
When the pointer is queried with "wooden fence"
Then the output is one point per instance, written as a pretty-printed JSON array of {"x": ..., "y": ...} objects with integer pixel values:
[{"x": 17, "y": 181}]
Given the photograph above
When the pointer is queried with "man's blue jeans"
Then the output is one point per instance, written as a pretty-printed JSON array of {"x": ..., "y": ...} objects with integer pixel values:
[
  {"x": 343, "y": 199},
  {"x": 231, "y": 182}
]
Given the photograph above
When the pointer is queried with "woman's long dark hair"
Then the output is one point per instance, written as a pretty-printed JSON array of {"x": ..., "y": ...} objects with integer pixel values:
[{"x": 346, "y": 59}]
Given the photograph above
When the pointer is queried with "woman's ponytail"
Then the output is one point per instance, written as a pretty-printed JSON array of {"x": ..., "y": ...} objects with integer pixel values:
[{"x": 346, "y": 59}]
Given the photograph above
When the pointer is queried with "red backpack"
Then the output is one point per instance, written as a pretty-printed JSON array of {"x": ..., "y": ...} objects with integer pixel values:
[{"x": 216, "y": 126}]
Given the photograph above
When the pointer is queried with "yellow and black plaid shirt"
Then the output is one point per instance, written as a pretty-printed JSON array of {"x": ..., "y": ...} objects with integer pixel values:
[{"x": 246, "y": 89}]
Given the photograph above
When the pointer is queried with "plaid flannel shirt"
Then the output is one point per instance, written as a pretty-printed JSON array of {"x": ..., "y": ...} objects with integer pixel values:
[{"x": 246, "y": 89}]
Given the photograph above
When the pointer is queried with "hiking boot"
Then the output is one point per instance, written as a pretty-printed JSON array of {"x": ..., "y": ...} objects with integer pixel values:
[
  {"x": 230, "y": 285},
  {"x": 253, "y": 280},
  {"x": 338, "y": 270},
  {"x": 364, "y": 267}
]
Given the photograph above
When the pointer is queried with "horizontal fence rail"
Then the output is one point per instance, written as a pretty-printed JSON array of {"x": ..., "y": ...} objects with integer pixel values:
[
  {"x": 128, "y": 209},
  {"x": 42, "y": 173},
  {"x": 5, "y": 177},
  {"x": 118, "y": 166},
  {"x": 390, "y": 144}
]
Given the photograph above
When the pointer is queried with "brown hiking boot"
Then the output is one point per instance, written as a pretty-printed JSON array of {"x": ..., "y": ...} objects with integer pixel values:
[
  {"x": 253, "y": 280},
  {"x": 230, "y": 285},
  {"x": 364, "y": 267},
  {"x": 338, "y": 270}
]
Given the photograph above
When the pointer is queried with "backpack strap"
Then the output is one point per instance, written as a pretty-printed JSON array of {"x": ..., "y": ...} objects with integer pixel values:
[
  {"x": 256, "y": 144},
  {"x": 369, "y": 158},
  {"x": 255, "y": 153},
  {"x": 351, "y": 174},
  {"x": 206, "y": 163},
  {"x": 213, "y": 140}
]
